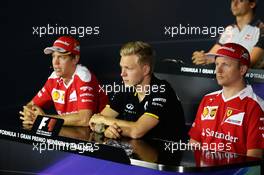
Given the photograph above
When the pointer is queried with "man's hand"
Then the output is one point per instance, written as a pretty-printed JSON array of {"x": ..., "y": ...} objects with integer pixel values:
[
  {"x": 199, "y": 57},
  {"x": 30, "y": 113},
  {"x": 96, "y": 119},
  {"x": 113, "y": 131}
]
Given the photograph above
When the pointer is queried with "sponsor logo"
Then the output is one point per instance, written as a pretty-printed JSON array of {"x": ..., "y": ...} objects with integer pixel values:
[
  {"x": 233, "y": 116},
  {"x": 73, "y": 96},
  {"x": 157, "y": 104},
  {"x": 86, "y": 94},
  {"x": 43, "y": 89},
  {"x": 261, "y": 128},
  {"x": 46, "y": 126},
  {"x": 62, "y": 42},
  {"x": 58, "y": 96},
  {"x": 209, "y": 113},
  {"x": 39, "y": 94},
  {"x": 130, "y": 106},
  {"x": 248, "y": 37},
  {"x": 160, "y": 99},
  {"x": 219, "y": 135},
  {"x": 85, "y": 88},
  {"x": 227, "y": 48},
  {"x": 86, "y": 100},
  {"x": 245, "y": 56},
  {"x": 146, "y": 105},
  {"x": 50, "y": 124}
]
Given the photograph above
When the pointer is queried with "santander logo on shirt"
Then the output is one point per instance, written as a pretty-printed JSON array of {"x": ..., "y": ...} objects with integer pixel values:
[{"x": 219, "y": 135}]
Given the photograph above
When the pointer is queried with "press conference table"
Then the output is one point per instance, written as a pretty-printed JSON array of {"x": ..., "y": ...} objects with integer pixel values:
[{"x": 137, "y": 156}]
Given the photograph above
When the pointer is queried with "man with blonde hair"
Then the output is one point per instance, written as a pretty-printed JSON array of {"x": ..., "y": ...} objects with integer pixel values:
[{"x": 147, "y": 106}]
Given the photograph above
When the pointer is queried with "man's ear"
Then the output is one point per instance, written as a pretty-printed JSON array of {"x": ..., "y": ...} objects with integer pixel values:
[
  {"x": 76, "y": 59},
  {"x": 146, "y": 69},
  {"x": 243, "y": 69},
  {"x": 252, "y": 5}
]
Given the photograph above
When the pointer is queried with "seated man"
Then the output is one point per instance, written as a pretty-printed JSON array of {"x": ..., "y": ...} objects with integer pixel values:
[
  {"x": 232, "y": 118},
  {"x": 147, "y": 105},
  {"x": 71, "y": 88},
  {"x": 247, "y": 31}
]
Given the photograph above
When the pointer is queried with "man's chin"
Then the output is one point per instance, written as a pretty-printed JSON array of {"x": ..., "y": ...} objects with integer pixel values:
[
  {"x": 58, "y": 74},
  {"x": 220, "y": 83},
  {"x": 128, "y": 85}
]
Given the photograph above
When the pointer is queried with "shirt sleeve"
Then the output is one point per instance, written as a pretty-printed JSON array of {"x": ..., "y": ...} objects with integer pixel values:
[
  {"x": 255, "y": 133},
  {"x": 87, "y": 94},
  {"x": 161, "y": 101},
  {"x": 196, "y": 129},
  {"x": 43, "y": 98}
]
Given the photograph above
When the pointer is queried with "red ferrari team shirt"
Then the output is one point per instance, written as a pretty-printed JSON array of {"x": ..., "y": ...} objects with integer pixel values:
[
  {"x": 233, "y": 125},
  {"x": 82, "y": 92}
]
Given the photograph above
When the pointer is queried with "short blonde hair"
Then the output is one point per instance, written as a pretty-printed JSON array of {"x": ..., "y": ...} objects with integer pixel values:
[{"x": 143, "y": 50}]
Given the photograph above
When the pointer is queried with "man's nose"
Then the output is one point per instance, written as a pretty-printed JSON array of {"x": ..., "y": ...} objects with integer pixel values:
[
  {"x": 56, "y": 60},
  {"x": 218, "y": 69},
  {"x": 123, "y": 73}
]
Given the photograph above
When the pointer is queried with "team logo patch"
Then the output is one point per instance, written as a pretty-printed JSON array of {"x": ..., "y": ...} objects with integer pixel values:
[
  {"x": 209, "y": 113},
  {"x": 234, "y": 116},
  {"x": 229, "y": 112},
  {"x": 58, "y": 96}
]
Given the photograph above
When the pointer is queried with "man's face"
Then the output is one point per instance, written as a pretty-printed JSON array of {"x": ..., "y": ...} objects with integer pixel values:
[
  {"x": 241, "y": 7},
  {"x": 63, "y": 65},
  {"x": 132, "y": 72},
  {"x": 228, "y": 71}
]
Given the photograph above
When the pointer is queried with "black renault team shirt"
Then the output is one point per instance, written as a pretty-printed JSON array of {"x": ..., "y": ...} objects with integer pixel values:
[{"x": 160, "y": 102}]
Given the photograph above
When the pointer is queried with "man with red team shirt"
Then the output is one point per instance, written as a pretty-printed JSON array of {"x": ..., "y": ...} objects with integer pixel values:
[
  {"x": 232, "y": 118},
  {"x": 72, "y": 88}
]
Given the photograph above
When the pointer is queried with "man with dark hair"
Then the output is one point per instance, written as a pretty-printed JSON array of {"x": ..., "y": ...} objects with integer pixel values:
[
  {"x": 247, "y": 31},
  {"x": 147, "y": 106},
  {"x": 71, "y": 88},
  {"x": 231, "y": 119}
]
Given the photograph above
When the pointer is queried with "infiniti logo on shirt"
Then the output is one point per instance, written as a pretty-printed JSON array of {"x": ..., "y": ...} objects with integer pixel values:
[{"x": 130, "y": 106}]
